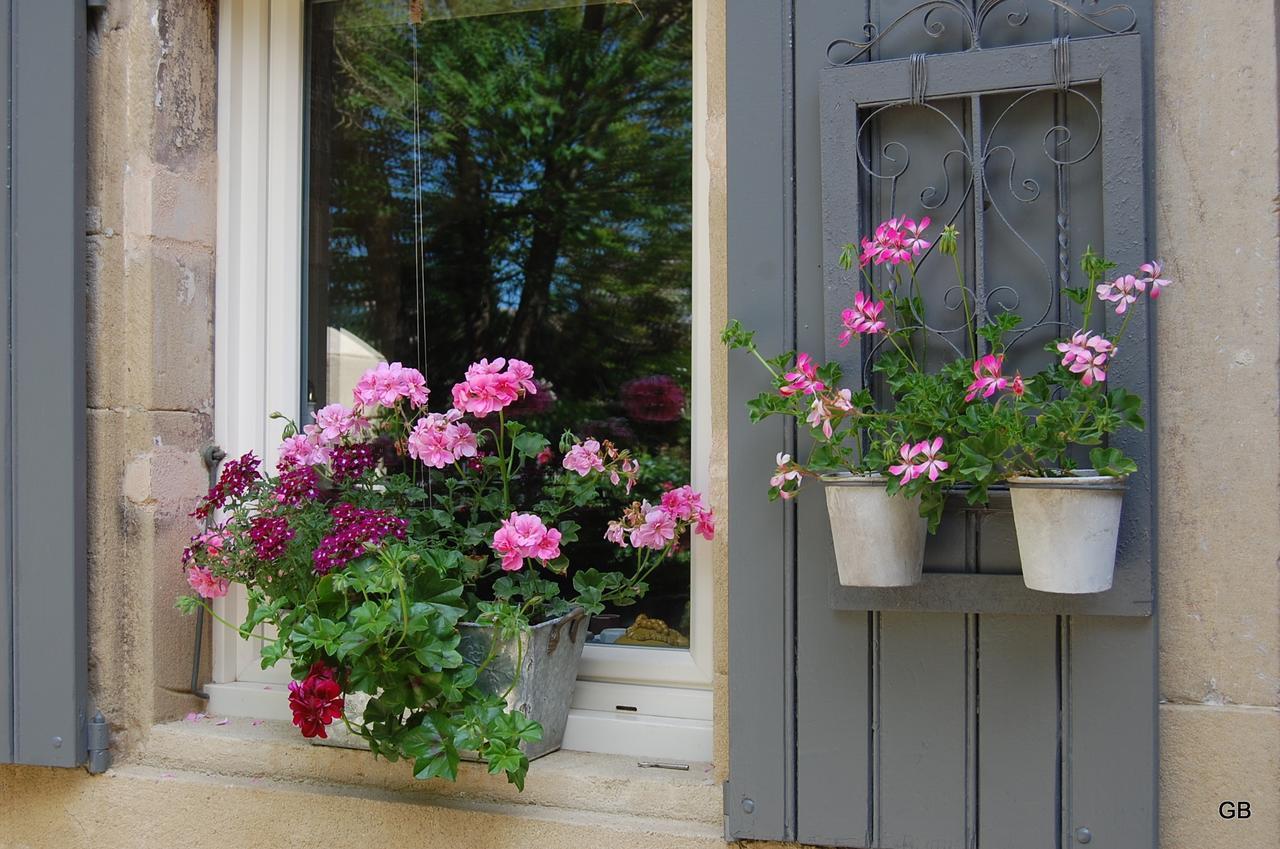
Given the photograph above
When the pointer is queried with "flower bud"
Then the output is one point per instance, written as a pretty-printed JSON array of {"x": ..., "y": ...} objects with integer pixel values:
[{"x": 947, "y": 242}]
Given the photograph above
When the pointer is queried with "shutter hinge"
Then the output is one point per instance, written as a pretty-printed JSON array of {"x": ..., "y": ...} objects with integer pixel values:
[
  {"x": 98, "y": 738},
  {"x": 724, "y": 786},
  {"x": 95, "y": 5}
]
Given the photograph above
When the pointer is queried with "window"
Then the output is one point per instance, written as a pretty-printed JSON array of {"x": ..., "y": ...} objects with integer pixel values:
[{"x": 430, "y": 187}]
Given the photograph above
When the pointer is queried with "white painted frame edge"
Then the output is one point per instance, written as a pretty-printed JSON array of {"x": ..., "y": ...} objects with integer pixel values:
[{"x": 259, "y": 274}]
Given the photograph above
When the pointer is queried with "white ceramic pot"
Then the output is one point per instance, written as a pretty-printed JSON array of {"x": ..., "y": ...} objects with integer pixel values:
[
  {"x": 879, "y": 539},
  {"x": 1067, "y": 530}
]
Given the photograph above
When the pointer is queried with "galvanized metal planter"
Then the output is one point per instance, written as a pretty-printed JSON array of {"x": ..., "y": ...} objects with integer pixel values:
[
  {"x": 879, "y": 538},
  {"x": 1067, "y": 530},
  {"x": 536, "y": 672}
]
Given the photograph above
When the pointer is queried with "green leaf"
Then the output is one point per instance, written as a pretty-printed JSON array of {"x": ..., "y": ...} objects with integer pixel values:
[
  {"x": 1112, "y": 461},
  {"x": 531, "y": 444}
]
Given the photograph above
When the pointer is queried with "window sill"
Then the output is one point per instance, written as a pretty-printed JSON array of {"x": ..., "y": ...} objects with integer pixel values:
[
  {"x": 635, "y": 735},
  {"x": 568, "y": 781}
]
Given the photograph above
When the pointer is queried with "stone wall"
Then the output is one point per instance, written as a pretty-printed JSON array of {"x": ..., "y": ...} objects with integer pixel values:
[
  {"x": 152, "y": 194},
  {"x": 1217, "y": 187}
]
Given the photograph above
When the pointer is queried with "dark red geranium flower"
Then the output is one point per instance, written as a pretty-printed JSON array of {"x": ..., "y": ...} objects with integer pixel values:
[{"x": 316, "y": 701}]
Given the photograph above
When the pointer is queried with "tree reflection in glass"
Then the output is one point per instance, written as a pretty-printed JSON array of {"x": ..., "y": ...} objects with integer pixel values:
[{"x": 512, "y": 184}]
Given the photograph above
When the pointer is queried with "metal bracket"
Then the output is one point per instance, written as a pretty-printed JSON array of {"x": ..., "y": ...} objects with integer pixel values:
[{"x": 98, "y": 739}]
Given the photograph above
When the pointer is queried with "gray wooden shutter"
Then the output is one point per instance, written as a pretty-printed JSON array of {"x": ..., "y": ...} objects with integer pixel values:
[
  {"x": 967, "y": 711},
  {"x": 42, "y": 501}
]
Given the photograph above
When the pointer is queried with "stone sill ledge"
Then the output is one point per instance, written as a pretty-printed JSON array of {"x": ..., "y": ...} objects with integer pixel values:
[{"x": 569, "y": 781}]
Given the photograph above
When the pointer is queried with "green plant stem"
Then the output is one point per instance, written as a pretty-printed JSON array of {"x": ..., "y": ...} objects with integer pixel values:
[
  {"x": 970, "y": 331},
  {"x": 504, "y": 463},
  {"x": 216, "y": 617}
]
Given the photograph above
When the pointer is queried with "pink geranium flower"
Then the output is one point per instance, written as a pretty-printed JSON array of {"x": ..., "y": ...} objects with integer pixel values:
[
  {"x": 1151, "y": 277},
  {"x": 1086, "y": 354},
  {"x": 488, "y": 389},
  {"x": 683, "y": 502},
  {"x": 786, "y": 479},
  {"x": 987, "y": 379},
  {"x": 584, "y": 458},
  {"x": 205, "y": 583},
  {"x": 439, "y": 439},
  {"x": 824, "y": 409},
  {"x": 659, "y": 528},
  {"x": 333, "y": 422},
  {"x": 316, "y": 701},
  {"x": 862, "y": 317},
  {"x": 301, "y": 450},
  {"x": 387, "y": 383},
  {"x": 524, "y": 536},
  {"x": 804, "y": 378},
  {"x": 1122, "y": 291},
  {"x": 932, "y": 465},
  {"x": 908, "y": 470},
  {"x": 913, "y": 235}
]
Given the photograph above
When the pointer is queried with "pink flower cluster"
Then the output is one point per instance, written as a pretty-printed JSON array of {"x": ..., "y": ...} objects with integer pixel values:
[
  {"x": 385, "y": 384},
  {"x": 645, "y": 525},
  {"x": 803, "y": 378},
  {"x": 1126, "y": 289},
  {"x": 489, "y": 388},
  {"x": 352, "y": 528},
  {"x": 826, "y": 407},
  {"x": 320, "y": 442},
  {"x": 236, "y": 478},
  {"x": 270, "y": 536},
  {"x": 439, "y": 439},
  {"x": 523, "y": 535},
  {"x": 316, "y": 701},
  {"x": 896, "y": 241},
  {"x": 920, "y": 459},
  {"x": 201, "y": 578},
  {"x": 1086, "y": 354},
  {"x": 862, "y": 317},
  {"x": 987, "y": 379},
  {"x": 584, "y": 458},
  {"x": 786, "y": 479}
]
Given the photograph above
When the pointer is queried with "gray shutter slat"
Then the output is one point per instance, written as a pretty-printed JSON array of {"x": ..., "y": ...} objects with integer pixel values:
[
  {"x": 832, "y": 739},
  {"x": 6, "y": 539},
  {"x": 47, "y": 438},
  {"x": 922, "y": 734},
  {"x": 1018, "y": 730},
  {"x": 759, "y": 796}
]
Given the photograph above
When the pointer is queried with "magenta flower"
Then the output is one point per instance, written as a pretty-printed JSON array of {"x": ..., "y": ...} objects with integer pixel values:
[
  {"x": 205, "y": 583},
  {"x": 353, "y": 528},
  {"x": 270, "y": 536},
  {"x": 932, "y": 465},
  {"x": 584, "y": 458},
  {"x": 237, "y": 476},
  {"x": 683, "y": 502},
  {"x": 659, "y": 528},
  {"x": 1122, "y": 291},
  {"x": 986, "y": 377},
  {"x": 862, "y": 317},
  {"x": 386, "y": 384},
  {"x": 704, "y": 524},
  {"x": 1018, "y": 386},
  {"x": 803, "y": 379},
  {"x": 297, "y": 485},
  {"x": 913, "y": 237},
  {"x": 906, "y": 468},
  {"x": 522, "y": 536},
  {"x": 350, "y": 462},
  {"x": 1151, "y": 276}
]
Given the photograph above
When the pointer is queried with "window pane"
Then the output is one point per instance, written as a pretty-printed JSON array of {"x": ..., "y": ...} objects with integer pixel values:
[{"x": 513, "y": 184}]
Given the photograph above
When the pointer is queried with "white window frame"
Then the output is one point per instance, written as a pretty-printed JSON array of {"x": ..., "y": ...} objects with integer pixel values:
[{"x": 636, "y": 701}]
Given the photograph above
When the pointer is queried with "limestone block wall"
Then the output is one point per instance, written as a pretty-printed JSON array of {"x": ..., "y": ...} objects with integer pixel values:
[{"x": 152, "y": 201}]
